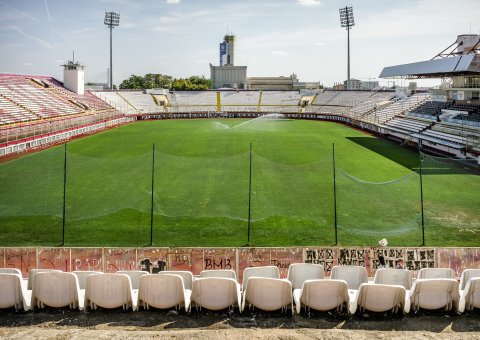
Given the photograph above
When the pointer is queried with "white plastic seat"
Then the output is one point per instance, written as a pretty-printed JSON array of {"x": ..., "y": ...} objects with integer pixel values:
[
  {"x": 434, "y": 294},
  {"x": 11, "y": 271},
  {"x": 468, "y": 274},
  {"x": 163, "y": 291},
  {"x": 13, "y": 293},
  {"x": 436, "y": 273},
  {"x": 263, "y": 271},
  {"x": 109, "y": 291},
  {"x": 298, "y": 273},
  {"x": 322, "y": 295},
  {"x": 82, "y": 277},
  {"x": 186, "y": 275},
  {"x": 379, "y": 298},
  {"x": 216, "y": 293},
  {"x": 228, "y": 273},
  {"x": 353, "y": 275},
  {"x": 56, "y": 289},
  {"x": 390, "y": 276},
  {"x": 33, "y": 272},
  {"x": 24, "y": 282},
  {"x": 268, "y": 294},
  {"x": 470, "y": 296},
  {"x": 135, "y": 276}
]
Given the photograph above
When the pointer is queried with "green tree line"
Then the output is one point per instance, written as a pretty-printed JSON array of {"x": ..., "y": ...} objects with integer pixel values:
[{"x": 150, "y": 81}]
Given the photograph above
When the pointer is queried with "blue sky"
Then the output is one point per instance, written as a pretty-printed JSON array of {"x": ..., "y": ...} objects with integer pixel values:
[{"x": 274, "y": 37}]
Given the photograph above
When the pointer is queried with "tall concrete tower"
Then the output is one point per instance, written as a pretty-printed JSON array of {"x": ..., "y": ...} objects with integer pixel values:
[{"x": 227, "y": 50}]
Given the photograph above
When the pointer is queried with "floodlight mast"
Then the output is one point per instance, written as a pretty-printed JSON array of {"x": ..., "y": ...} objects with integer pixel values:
[
  {"x": 112, "y": 19},
  {"x": 347, "y": 21}
]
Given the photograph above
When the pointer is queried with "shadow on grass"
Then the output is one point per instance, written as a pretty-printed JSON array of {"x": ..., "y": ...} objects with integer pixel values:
[
  {"x": 408, "y": 159},
  {"x": 384, "y": 148}
]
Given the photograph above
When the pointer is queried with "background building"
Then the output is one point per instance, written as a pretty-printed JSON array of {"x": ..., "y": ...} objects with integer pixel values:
[
  {"x": 355, "y": 84},
  {"x": 227, "y": 74}
]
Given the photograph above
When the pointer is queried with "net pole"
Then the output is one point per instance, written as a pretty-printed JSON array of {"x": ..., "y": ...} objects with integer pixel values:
[
  {"x": 249, "y": 197},
  {"x": 334, "y": 195},
  {"x": 421, "y": 196},
  {"x": 64, "y": 192},
  {"x": 152, "y": 198}
]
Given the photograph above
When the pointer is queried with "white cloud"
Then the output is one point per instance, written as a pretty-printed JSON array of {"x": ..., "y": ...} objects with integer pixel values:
[
  {"x": 319, "y": 43},
  {"x": 280, "y": 53},
  {"x": 309, "y": 3},
  {"x": 27, "y": 64},
  {"x": 174, "y": 2}
]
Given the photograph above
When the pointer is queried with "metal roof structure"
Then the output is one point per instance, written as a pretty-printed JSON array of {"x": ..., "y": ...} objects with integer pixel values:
[
  {"x": 462, "y": 58},
  {"x": 468, "y": 64}
]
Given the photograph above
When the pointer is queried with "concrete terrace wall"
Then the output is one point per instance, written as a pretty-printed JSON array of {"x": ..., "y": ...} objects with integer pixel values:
[{"x": 198, "y": 259}]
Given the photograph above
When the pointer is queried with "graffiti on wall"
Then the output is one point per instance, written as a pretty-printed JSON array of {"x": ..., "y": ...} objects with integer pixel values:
[
  {"x": 195, "y": 260},
  {"x": 23, "y": 259},
  {"x": 54, "y": 258},
  {"x": 323, "y": 256}
]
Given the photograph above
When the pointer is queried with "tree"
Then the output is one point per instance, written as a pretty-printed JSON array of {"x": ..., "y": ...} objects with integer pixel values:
[
  {"x": 148, "y": 81},
  {"x": 134, "y": 82},
  {"x": 152, "y": 80},
  {"x": 194, "y": 83}
]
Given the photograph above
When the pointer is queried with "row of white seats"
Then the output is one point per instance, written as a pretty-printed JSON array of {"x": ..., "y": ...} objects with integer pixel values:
[{"x": 347, "y": 288}]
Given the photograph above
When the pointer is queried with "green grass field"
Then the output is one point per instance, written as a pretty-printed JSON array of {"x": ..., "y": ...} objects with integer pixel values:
[{"x": 201, "y": 189}]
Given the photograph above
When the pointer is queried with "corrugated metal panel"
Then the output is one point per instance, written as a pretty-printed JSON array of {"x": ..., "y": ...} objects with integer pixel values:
[{"x": 438, "y": 66}]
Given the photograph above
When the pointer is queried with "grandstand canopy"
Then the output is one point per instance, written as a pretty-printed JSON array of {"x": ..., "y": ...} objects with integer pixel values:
[{"x": 467, "y": 64}]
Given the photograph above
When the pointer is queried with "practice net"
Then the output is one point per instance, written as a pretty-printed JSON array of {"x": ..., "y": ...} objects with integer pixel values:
[
  {"x": 370, "y": 211},
  {"x": 31, "y": 199},
  {"x": 451, "y": 190}
]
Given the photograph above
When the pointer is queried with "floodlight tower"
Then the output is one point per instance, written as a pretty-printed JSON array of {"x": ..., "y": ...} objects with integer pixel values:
[
  {"x": 347, "y": 21},
  {"x": 112, "y": 19}
]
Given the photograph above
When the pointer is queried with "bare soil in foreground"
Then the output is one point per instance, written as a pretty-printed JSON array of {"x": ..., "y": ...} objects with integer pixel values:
[{"x": 116, "y": 324}]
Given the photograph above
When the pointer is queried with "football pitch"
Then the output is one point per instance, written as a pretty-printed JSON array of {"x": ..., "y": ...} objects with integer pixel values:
[{"x": 184, "y": 183}]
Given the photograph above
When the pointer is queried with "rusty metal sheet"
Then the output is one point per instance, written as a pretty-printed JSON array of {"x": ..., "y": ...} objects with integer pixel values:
[
  {"x": 327, "y": 257},
  {"x": 2, "y": 257},
  {"x": 458, "y": 259},
  {"x": 219, "y": 258},
  {"x": 152, "y": 260},
  {"x": 87, "y": 259},
  {"x": 197, "y": 260},
  {"x": 120, "y": 259},
  {"x": 283, "y": 257},
  {"x": 55, "y": 258},
  {"x": 21, "y": 258},
  {"x": 252, "y": 257}
]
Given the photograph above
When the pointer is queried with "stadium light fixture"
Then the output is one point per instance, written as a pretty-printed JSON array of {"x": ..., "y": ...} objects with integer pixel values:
[
  {"x": 347, "y": 21},
  {"x": 112, "y": 19}
]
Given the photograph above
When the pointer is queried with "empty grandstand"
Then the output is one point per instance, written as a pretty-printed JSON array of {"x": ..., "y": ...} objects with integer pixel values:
[
  {"x": 36, "y": 111},
  {"x": 454, "y": 109},
  {"x": 446, "y": 120}
]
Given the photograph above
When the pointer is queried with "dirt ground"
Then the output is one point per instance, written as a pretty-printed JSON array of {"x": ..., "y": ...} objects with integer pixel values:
[{"x": 116, "y": 324}]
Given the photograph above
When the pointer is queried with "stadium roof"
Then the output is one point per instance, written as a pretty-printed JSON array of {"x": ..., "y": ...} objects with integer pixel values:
[{"x": 467, "y": 64}]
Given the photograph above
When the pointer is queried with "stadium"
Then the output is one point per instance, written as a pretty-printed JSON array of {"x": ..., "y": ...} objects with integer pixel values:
[{"x": 110, "y": 187}]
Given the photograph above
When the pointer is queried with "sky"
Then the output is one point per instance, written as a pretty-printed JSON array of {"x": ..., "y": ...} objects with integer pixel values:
[{"x": 273, "y": 37}]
